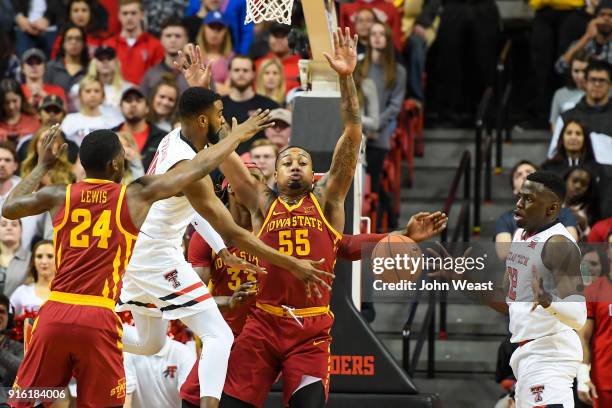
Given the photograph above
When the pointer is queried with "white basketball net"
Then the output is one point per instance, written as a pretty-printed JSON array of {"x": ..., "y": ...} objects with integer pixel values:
[{"x": 269, "y": 10}]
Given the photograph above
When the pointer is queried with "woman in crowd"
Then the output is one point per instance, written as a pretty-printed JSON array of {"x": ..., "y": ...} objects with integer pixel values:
[
  {"x": 216, "y": 43},
  {"x": 90, "y": 116},
  {"x": 573, "y": 149},
  {"x": 91, "y": 17},
  {"x": 17, "y": 117},
  {"x": 14, "y": 258},
  {"x": 69, "y": 66},
  {"x": 271, "y": 81},
  {"x": 36, "y": 24},
  {"x": 33, "y": 69},
  {"x": 370, "y": 110},
  {"x": 582, "y": 198},
  {"x": 106, "y": 67},
  {"x": 30, "y": 296},
  {"x": 380, "y": 66},
  {"x": 133, "y": 161},
  {"x": 567, "y": 97},
  {"x": 163, "y": 102},
  {"x": 61, "y": 172},
  {"x": 594, "y": 263},
  {"x": 505, "y": 226}
]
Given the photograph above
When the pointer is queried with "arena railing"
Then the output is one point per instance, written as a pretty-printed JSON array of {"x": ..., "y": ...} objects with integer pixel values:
[
  {"x": 427, "y": 328},
  {"x": 479, "y": 150},
  {"x": 504, "y": 88}
]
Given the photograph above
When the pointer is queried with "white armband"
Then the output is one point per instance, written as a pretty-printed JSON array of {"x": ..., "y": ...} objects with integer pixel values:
[
  {"x": 208, "y": 233},
  {"x": 583, "y": 377},
  {"x": 570, "y": 311}
]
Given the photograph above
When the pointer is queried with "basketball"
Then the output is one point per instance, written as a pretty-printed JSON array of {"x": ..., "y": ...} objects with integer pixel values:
[{"x": 397, "y": 258}]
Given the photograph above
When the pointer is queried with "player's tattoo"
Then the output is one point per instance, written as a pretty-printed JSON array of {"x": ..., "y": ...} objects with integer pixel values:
[
  {"x": 349, "y": 102},
  {"x": 30, "y": 183}
]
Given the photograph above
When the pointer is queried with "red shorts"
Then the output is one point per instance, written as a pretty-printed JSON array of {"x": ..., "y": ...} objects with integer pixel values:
[
  {"x": 81, "y": 341},
  {"x": 190, "y": 390},
  {"x": 604, "y": 400},
  {"x": 269, "y": 345}
]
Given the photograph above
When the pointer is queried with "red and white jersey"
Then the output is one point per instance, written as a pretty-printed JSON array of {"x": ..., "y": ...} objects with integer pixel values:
[
  {"x": 161, "y": 235},
  {"x": 599, "y": 309},
  {"x": 526, "y": 255}
]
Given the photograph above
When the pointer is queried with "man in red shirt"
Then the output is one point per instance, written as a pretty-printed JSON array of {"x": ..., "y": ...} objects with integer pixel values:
[
  {"x": 385, "y": 12},
  {"x": 136, "y": 49},
  {"x": 279, "y": 48},
  {"x": 596, "y": 338},
  {"x": 146, "y": 135}
]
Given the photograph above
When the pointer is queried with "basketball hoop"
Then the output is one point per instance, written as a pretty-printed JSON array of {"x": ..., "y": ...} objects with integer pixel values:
[{"x": 269, "y": 10}]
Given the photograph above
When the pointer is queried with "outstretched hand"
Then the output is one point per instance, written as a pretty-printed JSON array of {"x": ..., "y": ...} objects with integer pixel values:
[
  {"x": 447, "y": 272},
  {"x": 252, "y": 126},
  {"x": 344, "y": 59},
  {"x": 235, "y": 262},
  {"x": 243, "y": 294},
  {"x": 424, "y": 225},
  {"x": 306, "y": 270},
  {"x": 49, "y": 153},
  {"x": 191, "y": 64}
]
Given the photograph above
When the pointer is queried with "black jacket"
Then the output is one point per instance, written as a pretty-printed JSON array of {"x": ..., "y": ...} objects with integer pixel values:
[
  {"x": 148, "y": 151},
  {"x": 55, "y": 12}
]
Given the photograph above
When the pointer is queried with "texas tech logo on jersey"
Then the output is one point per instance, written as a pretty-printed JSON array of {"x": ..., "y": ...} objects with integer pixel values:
[
  {"x": 537, "y": 391},
  {"x": 170, "y": 371},
  {"x": 172, "y": 277}
]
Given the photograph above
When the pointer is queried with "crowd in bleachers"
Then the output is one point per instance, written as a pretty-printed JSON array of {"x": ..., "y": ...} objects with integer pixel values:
[{"x": 92, "y": 64}]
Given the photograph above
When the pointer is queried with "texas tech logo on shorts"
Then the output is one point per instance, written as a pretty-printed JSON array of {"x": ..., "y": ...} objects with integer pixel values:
[
  {"x": 537, "y": 390},
  {"x": 172, "y": 277}
]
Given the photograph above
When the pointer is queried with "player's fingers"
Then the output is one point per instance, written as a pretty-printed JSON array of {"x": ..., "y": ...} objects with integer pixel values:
[
  {"x": 467, "y": 252},
  {"x": 347, "y": 36},
  {"x": 321, "y": 282},
  {"x": 234, "y": 122},
  {"x": 62, "y": 149},
  {"x": 421, "y": 215},
  {"x": 198, "y": 56},
  {"x": 308, "y": 293},
  {"x": 355, "y": 41},
  {"x": 317, "y": 291},
  {"x": 327, "y": 57},
  {"x": 433, "y": 253},
  {"x": 444, "y": 251},
  {"x": 336, "y": 39},
  {"x": 266, "y": 125},
  {"x": 593, "y": 390}
]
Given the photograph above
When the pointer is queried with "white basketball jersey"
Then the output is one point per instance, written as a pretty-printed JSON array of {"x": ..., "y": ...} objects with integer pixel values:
[
  {"x": 161, "y": 235},
  {"x": 525, "y": 255}
]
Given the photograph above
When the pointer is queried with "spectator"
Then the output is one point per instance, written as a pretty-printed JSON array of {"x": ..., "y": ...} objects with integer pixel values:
[
  {"x": 263, "y": 154},
  {"x": 90, "y": 16},
  {"x": 36, "y": 24},
  {"x": 555, "y": 26},
  {"x": 467, "y": 36},
  {"x": 51, "y": 112},
  {"x": 7, "y": 16},
  {"x": 370, "y": 107},
  {"x": 106, "y": 68},
  {"x": 69, "y": 66},
  {"x": 30, "y": 296},
  {"x": 573, "y": 149},
  {"x": 164, "y": 372},
  {"x": 14, "y": 257},
  {"x": 271, "y": 81},
  {"x": 158, "y": 11},
  {"x": 385, "y": 12},
  {"x": 173, "y": 39},
  {"x": 194, "y": 20},
  {"x": 112, "y": 11},
  {"x": 163, "y": 102},
  {"x": 505, "y": 226},
  {"x": 594, "y": 111},
  {"x": 599, "y": 232},
  {"x": 234, "y": 13},
  {"x": 216, "y": 43},
  {"x": 567, "y": 97},
  {"x": 137, "y": 50},
  {"x": 279, "y": 48},
  {"x": 9, "y": 63},
  {"x": 280, "y": 133},
  {"x": 582, "y": 198},
  {"x": 242, "y": 100},
  {"x": 90, "y": 116},
  {"x": 145, "y": 134},
  {"x": 33, "y": 68},
  {"x": 133, "y": 161},
  {"x": 17, "y": 117},
  {"x": 62, "y": 170},
  {"x": 595, "y": 337},
  {"x": 596, "y": 41},
  {"x": 364, "y": 20},
  {"x": 380, "y": 66},
  {"x": 8, "y": 167},
  {"x": 420, "y": 24},
  {"x": 11, "y": 351},
  {"x": 595, "y": 261}
]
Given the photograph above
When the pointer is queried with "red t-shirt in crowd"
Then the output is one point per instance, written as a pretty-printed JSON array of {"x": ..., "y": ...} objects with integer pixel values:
[
  {"x": 385, "y": 12},
  {"x": 49, "y": 89},
  {"x": 290, "y": 66},
  {"x": 146, "y": 52},
  {"x": 27, "y": 125},
  {"x": 599, "y": 231},
  {"x": 599, "y": 309}
]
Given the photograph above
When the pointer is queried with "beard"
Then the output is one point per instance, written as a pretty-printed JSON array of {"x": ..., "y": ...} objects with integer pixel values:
[
  {"x": 133, "y": 120},
  {"x": 214, "y": 136},
  {"x": 240, "y": 87}
]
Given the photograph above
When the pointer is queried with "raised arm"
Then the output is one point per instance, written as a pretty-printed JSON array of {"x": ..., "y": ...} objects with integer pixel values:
[
  {"x": 336, "y": 183},
  {"x": 24, "y": 201},
  {"x": 142, "y": 193}
]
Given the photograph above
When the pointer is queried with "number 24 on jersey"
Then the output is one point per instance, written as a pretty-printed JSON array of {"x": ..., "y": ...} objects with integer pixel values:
[{"x": 81, "y": 233}]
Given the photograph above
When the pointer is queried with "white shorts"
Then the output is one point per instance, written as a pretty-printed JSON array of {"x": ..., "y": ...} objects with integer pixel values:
[
  {"x": 545, "y": 369},
  {"x": 171, "y": 293}
]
